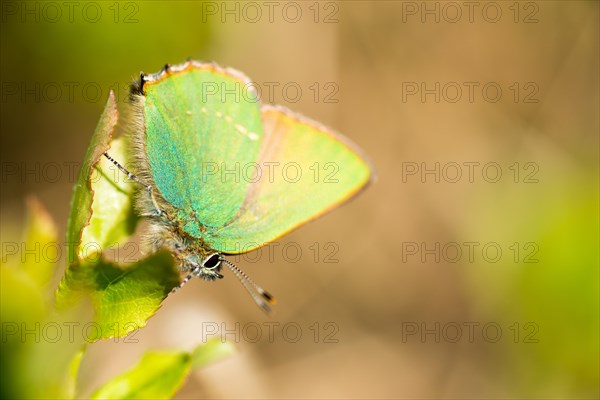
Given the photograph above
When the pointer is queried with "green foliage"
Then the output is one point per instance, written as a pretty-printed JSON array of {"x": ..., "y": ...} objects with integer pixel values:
[
  {"x": 40, "y": 229},
  {"x": 27, "y": 348},
  {"x": 112, "y": 219},
  {"x": 123, "y": 298},
  {"x": 81, "y": 204},
  {"x": 158, "y": 375},
  {"x": 116, "y": 298},
  {"x": 102, "y": 215}
]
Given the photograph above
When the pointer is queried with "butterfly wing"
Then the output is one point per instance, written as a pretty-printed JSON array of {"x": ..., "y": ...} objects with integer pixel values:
[
  {"x": 304, "y": 170},
  {"x": 202, "y": 122}
]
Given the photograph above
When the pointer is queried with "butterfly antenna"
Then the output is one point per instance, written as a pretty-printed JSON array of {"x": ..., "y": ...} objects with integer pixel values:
[{"x": 261, "y": 297}]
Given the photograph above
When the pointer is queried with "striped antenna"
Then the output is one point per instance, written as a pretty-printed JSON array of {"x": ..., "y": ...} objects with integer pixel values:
[
  {"x": 261, "y": 297},
  {"x": 138, "y": 180}
]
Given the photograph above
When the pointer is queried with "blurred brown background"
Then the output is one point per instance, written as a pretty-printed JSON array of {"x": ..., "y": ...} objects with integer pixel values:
[{"x": 399, "y": 314}]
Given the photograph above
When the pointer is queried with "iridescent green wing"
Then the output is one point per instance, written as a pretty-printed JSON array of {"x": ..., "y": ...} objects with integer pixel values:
[
  {"x": 305, "y": 170},
  {"x": 200, "y": 120}
]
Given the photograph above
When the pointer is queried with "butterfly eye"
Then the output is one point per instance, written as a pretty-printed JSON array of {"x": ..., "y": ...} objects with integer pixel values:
[{"x": 212, "y": 262}]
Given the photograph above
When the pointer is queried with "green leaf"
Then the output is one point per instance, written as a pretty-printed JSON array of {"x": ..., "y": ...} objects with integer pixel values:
[
  {"x": 21, "y": 305},
  {"x": 36, "y": 350},
  {"x": 156, "y": 376},
  {"x": 113, "y": 219},
  {"x": 25, "y": 276},
  {"x": 70, "y": 383},
  {"x": 159, "y": 375},
  {"x": 81, "y": 204},
  {"x": 41, "y": 235},
  {"x": 211, "y": 351},
  {"x": 123, "y": 297}
]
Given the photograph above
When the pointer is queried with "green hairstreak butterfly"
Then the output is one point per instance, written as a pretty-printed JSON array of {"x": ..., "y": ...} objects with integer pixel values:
[{"x": 225, "y": 174}]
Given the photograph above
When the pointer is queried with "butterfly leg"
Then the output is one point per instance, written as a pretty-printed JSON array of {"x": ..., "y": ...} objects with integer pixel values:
[
  {"x": 138, "y": 180},
  {"x": 185, "y": 280}
]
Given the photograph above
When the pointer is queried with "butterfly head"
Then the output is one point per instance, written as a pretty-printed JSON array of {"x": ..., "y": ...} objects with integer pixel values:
[
  {"x": 210, "y": 270},
  {"x": 211, "y": 267}
]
